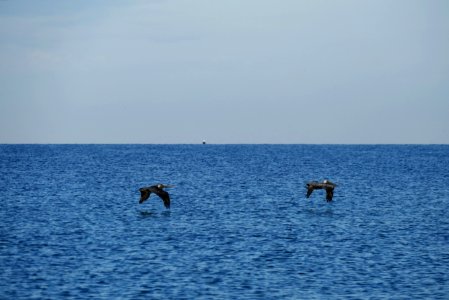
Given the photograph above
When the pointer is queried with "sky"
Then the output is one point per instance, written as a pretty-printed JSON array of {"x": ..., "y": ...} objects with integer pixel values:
[{"x": 246, "y": 71}]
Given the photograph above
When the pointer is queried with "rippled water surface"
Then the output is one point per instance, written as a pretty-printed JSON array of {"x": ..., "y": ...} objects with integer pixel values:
[{"x": 239, "y": 226}]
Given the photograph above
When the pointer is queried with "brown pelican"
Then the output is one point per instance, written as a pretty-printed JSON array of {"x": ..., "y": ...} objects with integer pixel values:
[
  {"x": 326, "y": 184},
  {"x": 145, "y": 193}
]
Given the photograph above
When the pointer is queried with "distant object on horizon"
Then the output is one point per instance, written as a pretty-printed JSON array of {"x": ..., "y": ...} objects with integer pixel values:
[
  {"x": 204, "y": 142},
  {"x": 145, "y": 193},
  {"x": 326, "y": 184}
]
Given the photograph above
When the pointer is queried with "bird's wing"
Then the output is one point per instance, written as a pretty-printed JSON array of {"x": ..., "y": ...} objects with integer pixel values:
[
  {"x": 309, "y": 190},
  {"x": 144, "y": 195},
  {"x": 329, "y": 194},
  {"x": 163, "y": 195}
]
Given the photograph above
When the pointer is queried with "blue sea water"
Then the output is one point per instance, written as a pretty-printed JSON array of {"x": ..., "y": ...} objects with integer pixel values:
[{"x": 239, "y": 226}]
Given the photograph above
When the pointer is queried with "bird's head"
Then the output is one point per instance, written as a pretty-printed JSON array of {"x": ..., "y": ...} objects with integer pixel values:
[{"x": 328, "y": 182}]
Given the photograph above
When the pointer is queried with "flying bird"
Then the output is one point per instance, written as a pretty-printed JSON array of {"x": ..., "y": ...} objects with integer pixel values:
[
  {"x": 145, "y": 193},
  {"x": 326, "y": 184}
]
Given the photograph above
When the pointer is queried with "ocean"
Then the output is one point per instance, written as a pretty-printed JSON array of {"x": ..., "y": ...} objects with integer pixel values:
[{"x": 239, "y": 227}]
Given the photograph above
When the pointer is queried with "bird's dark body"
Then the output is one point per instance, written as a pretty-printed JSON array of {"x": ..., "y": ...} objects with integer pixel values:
[
  {"x": 145, "y": 193},
  {"x": 326, "y": 185}
]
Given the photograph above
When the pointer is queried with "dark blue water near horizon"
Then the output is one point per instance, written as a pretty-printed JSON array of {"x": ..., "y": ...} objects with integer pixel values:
[{"x": 239, "y": 226}]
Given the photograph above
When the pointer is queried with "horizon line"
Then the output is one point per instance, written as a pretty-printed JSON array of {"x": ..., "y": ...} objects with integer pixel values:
[{"x": 218, "y": 144}]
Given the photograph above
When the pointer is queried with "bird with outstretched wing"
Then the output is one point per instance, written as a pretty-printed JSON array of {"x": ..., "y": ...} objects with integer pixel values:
[
  {"x": 145, "y": 193},
  {"x": 326, "y": 185}
]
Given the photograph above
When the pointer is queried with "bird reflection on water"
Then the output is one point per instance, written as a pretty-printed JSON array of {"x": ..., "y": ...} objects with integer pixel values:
[
  {"x": 143, "y": 214},
  {"x": 146, "y": 213},
  {"x": 319, "y": 211}
]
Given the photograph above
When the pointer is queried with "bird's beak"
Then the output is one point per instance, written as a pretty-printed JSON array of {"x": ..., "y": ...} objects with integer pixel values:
[{"x": 169, "y": 186}]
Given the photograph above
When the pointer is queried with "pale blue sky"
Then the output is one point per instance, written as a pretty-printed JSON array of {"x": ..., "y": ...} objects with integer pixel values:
[{"x": 247, "y": 71}]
